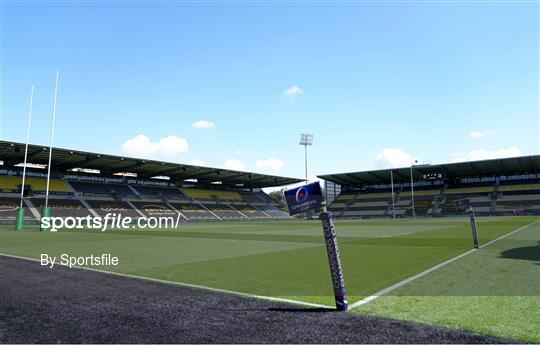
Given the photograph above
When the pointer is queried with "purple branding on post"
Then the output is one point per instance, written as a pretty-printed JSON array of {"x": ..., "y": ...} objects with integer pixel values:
[{"x": 304, "y": 198}]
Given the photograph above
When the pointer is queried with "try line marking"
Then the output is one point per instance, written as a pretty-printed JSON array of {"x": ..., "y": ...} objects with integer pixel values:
[
  {"x": 429, "y": 270},
  {"x": 193, "y": 286}
]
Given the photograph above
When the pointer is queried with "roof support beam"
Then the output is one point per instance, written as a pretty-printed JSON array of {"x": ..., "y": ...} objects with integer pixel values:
[
  {"x": 7, "y": 148},
  {"x": 34, "y": 154},
  {"x": 127, "y": 168},
  {"x": 165, "y": 171},
  {"x": 88, "y": 161},
  {"x": 64, "y": 160},
  {"x": 203, "y": 174}
]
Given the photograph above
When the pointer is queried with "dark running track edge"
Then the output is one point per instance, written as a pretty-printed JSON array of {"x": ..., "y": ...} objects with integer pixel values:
[{"x": 62, "y": 305}]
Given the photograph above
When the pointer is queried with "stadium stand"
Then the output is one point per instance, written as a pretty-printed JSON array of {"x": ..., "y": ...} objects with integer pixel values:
[
  {"x": 194, "y": 211},
  {"x": 424, "y": 201},
  {"x": 102, "y": 189},
  {"x": 224, "y": 211},
  {"x": 251, "y": 212},
  {"x": 97, "y": 184},
  {"x": 252, "y": 198},
  {"x": 12, "y": 184},
  {"x": 103, "y": 207},
  {"x": 158, "y": 192},
  {"x": 421, "y": 207},
  {"x": 211, "y": 194},
  {"x": 479, "y": 197},
  {"x": 363, "y": 203},
  {"x": 491, "y": 187},
  {"x": 62, "y": 207},
  {"x": 341, "y": 202},
  {"x": 229, "y": 196},
  {"x": 352, "y": 212},
  {"x": 468, "y": 190},
  {"x": 154, "y": 209},
  {"x": 518, "y": 198},
  {"x": 273, "y": 211},
  {"x": 9, "y": 207},
  {"x": 265, "y": 197},
  {"x": 521, "y": 187},
  {"x": 531, "y": 207}
]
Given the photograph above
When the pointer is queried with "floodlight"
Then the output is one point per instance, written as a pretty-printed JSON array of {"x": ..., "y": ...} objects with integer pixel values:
[{"x": 306, "y": 140}]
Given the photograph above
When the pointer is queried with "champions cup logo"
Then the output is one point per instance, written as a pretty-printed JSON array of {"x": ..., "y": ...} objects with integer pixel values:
[
  {"x": 304, "y": 198},
  {"x": 301, "y": 194}
]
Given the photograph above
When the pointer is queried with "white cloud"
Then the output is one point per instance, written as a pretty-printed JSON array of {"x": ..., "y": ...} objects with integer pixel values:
[
  {"x": 293, "y": 91},
  {"x": 197, "y": 162},
  {"x": 238, "y": 152},
  {"x": 141, "y": 146},
  {"x": 481, "y": 134},
  {"x": 476, "y": 155},
  {"x": 394, "y": 158},
  {"x": 234, "y": 164},
  {"x": 203, "y": 124},
  {"x": 269, "y": 165}
]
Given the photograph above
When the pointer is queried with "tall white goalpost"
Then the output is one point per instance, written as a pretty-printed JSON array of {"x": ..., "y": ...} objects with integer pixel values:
[
  {"x": 46, "y": 212},
  {"x": 20, "y": 213}
]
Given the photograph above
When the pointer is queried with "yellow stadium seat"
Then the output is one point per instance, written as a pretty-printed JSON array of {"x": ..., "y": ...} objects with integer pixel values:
[
  {"x": 345, "y": 197},
  {"x": 472, "y": 190},
  {"x": 373, "y": 195},
  {"x": 8, "y": 183},
  {"x": 209, "y": 194},
  {"x": 519, "y": 187},
  {"x": 420, "y": 192}
]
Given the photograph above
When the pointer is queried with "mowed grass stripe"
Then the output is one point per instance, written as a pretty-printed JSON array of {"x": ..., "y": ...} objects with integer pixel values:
[
  {"x": 292, "y": 266},
  {"x": 494, "y": 291},
  {"x": 317, "y": 238},
  {"x": 303, "y": 273},
  {"x": 136, "y": 252}
]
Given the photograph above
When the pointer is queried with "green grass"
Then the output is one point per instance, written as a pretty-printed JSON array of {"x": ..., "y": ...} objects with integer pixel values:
[
  {"x": 509, "y": 317},
  {"x": 288, "y": 259},
  {"x": 494, "y": 291}
]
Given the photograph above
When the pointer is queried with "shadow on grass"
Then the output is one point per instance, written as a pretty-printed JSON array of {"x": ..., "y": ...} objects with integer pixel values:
[{"x": 530, "y": 253}]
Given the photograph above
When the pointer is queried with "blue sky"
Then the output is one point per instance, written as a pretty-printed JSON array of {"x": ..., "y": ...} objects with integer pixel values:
[{"x": 378, "y": 84}]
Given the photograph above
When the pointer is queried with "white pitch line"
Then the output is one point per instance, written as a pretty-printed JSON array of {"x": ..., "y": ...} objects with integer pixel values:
[
  {"x": 193, "y": 286},
  {"x": 429, "y": 270}
]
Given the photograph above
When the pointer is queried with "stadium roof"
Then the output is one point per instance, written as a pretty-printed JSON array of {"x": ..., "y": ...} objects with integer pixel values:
[
  {"x": 63, "y": 160},
  {"x": 491, "y": 167}
]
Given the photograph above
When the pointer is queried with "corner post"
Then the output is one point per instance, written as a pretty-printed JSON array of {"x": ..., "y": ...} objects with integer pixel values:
[{"x": 334, "y": 259}]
